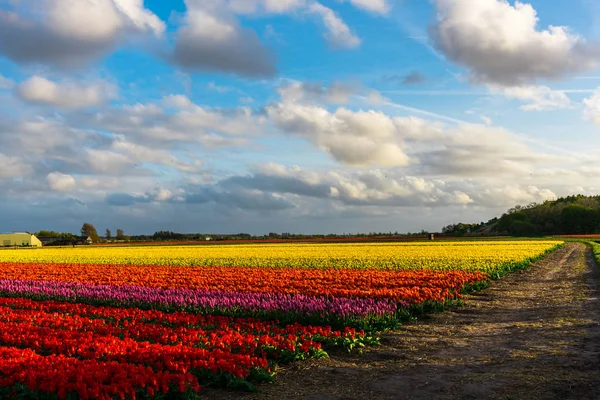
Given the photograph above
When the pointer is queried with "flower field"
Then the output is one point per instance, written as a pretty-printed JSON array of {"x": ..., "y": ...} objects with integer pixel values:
[{"x": 163, "y": 322}]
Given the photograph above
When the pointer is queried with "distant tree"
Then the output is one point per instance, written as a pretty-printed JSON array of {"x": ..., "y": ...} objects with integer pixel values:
[
  {"x": 120, "y": 234},
  {"x": 51, "y": 234},
  {"x": 576, "y": 218},
  {"x": 108, "y": 234},
  {"x": 523, "y": 228},
  {"x": 68, "y": 237},
  {"x": 90, "y": 230}
]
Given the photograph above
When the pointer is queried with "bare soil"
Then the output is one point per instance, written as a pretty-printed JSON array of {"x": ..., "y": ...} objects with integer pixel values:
[{"x": 534, "y": 334}]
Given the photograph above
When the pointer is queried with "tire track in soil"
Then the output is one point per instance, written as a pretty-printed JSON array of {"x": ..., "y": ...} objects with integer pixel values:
[{"x": 535, "y": 334}]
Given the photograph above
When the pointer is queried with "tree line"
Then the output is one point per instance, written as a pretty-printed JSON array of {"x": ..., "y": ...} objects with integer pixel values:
[
  {"x": 576, "y": 214},
  {"x": 87, "y": 230}
]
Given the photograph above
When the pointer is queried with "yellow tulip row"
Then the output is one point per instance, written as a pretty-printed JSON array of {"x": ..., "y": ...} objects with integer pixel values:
[{"x": 487, "y": 256}]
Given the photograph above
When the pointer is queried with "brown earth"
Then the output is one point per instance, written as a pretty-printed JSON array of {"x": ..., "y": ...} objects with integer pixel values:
[{"x": 533, "y": 335}]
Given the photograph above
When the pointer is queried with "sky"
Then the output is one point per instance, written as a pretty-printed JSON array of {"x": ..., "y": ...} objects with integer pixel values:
[{"x": 307, "y": 116}]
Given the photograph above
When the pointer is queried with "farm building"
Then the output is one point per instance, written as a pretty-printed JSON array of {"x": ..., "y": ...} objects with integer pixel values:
[{"x": 19, "y": 239}]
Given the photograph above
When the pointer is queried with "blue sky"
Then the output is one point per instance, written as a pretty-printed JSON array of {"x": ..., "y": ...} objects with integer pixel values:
[{"x": 293, "y": 115}]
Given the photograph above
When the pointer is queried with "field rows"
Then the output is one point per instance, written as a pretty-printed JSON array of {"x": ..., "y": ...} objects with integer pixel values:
[
  {"x": 113, "y": 323},
  {"x": 486, "y": 256}
]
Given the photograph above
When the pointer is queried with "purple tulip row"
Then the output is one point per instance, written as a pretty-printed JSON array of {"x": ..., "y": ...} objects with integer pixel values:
[{"x": 204, "y": 299}]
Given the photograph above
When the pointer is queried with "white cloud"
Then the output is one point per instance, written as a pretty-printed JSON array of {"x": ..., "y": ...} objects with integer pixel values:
[
  {"x": 143, "y": 154},
  {"x": 374, "y": 6},
  {"x": 501, "y": 43},
  {"x": 512, "y": 194},
  {"x": 41, "y": 139},
  {"x": 336, "y": 93},
  {"x": 108, "y": 162},
  {"x": 72, "y": 32},
  {"x": 372, "y": 138},
  {"x": 486, "y": 120},
  {"x": 60, "y": 182},
  {"x": 592, "y": 108},
  {"x": 387, "y": 188},
  {"x": 13, "y": 167},
  {"x": 65, "y": 94},
  {"x": 188, "y": 123},
  {"x": 540, "y": 98},
  {"x": 472, "y": 150},
  {"x": 218, "y": 88},
  {"x": 6, "y": 83},
  {"x": 355, "y": 138},
  {"x": 178, "y": 101},
  {"x": 267, "y": 6},
  {"x": 212, "y": 39},
  {"x": 142, "y": 18},
  {"x": 338, "y": 33}
]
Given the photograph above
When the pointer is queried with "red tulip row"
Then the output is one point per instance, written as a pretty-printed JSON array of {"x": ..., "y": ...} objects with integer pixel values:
[
  {"x": 134, "y": 319},
  {"x": 100, "y": 352},
  {"x": 90, "y": 379},
  {"x": 227, "y": 338}
]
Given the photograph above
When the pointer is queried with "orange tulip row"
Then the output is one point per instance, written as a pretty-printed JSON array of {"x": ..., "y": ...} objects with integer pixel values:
[{"x": 410, "y": 286}]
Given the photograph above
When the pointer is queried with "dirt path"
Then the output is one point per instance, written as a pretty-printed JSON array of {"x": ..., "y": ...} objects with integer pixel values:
[{"x": 533, "y": 335}]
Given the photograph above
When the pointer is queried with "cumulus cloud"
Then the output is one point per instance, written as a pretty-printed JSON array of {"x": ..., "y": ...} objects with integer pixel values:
[
  {"x": 69, "y": 94},
  {"x": 6, "y": 83},
  {"x": 338, "y": 33},
  {"x": 139, "y": 153},
  {"x": 372, "y": 138},
  {"x": 72, "y": 32},
  {"x": 540, "y": 98},
  {"x": 355, "y": 138},
  {"x": 158, "y": 195},
  {"x": 473, "y": 150},
  {"x": 336, "y": 93},
  {"x": 289, "y": 6},
  {"x": 388, "y": 188},
  {"x": 502, "y": 44},
  {"x": 267, "y": 6},
  {"x": 60, "y": 182},
  {"x": 374, "y": 6},
  {"x": 41, "y": 138},
  {"x": 178, "y": 120},
  {"x": 13, "y": 167},
  {"x": 592, "y": 108},
  {"x": 369, "y": 187},
  {"x": 108, "y": 162},
  {"x": 273, "y": 187},
  {"x": 225, "y": 197},
  {"x": 49, "y": 146},
  {"x": 505, "y": 195},
  {"x": 212, "y": 39}
]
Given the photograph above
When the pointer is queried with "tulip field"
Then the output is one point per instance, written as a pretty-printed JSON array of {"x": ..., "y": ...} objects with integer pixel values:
[{"x": 165, "y": 321}]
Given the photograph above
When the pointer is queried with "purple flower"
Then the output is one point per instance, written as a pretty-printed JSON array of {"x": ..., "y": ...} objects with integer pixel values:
[{"x": 208, "y": 299}]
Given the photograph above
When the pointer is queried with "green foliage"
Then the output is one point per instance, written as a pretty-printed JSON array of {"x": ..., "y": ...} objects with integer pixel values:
[
  {"x": 50, "y": 234},
  {"x": 596, "y": 251},
  {"x": 121, "y": 235},
  {"x": 57, "y": 238},
  {"x": 90, "y": 230},
  {"x": 523, "y": 228},
  {"x": 567, "y": 215},
  {"x": 576, "y": 218}
]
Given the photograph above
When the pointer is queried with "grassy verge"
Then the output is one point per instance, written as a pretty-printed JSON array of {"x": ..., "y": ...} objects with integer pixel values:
[{"x": 596, "y": 250}]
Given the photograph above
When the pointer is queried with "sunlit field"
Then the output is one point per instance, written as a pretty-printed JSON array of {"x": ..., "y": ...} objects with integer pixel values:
[
  {"x": 487, "y": 256},
  {"x": 152, "y": 321}
]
